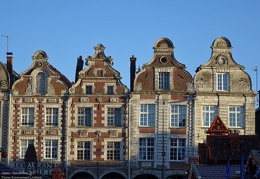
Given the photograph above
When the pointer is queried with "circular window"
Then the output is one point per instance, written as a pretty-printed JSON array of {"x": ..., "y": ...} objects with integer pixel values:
[{"x": 163, "y": 60}]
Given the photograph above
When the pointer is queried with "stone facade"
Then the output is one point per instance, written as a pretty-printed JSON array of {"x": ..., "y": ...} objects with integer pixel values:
[
  {"x": 162, "y": 91},
  {"x": 223, "y": 88}
]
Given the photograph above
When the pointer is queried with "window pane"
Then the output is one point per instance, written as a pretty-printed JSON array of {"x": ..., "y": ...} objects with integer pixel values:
[
  {"x": 178, "y": 116},
  {"x": 113, "y": 117},
  {"x": 146, "y": 148},
  {"x": 147, "y": 115},
  {"x": 84, "y": 116},
  {"x": 164, "y": 80},
  {"x": 177, "y": 149},
  {"x": 40, "y": 83}
]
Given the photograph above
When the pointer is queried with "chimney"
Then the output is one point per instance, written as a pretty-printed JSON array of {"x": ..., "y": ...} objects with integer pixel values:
[
  {"x": 132, "y": 72},
  {"x": 79, "y": 67},
  {"x": 9, "y": 62}
]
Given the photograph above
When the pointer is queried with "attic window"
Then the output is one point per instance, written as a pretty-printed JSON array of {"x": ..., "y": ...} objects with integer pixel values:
[{"x": 163, "y": 60}]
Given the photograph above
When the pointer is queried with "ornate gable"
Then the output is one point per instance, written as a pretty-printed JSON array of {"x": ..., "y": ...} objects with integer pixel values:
[{"x": 218, "y": 127}]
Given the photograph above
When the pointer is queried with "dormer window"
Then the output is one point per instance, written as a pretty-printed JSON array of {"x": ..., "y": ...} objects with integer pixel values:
[
  {"x": 164, "y": 80},
  {"x": 41, "y": 83},
  {"x": 223, "y": 81}
]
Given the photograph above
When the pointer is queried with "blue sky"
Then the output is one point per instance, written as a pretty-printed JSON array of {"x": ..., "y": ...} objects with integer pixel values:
[{"x": 69, "y": 28}]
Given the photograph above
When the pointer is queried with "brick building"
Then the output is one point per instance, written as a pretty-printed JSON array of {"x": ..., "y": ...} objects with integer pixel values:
[
  {"x": 96, "y": 128},
  {"x": 97, "y": 122},
  {"x": 37, "y": 116}
]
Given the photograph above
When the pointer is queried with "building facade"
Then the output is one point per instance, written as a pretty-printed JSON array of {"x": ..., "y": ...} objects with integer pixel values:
[
  {"x": 38, "y": 116},
  {"x": 223, "y": 89},
  {"x": 97, "y": 122},
  {"x": 161, "y": 116},
  {"x": 98, "y": 129}
]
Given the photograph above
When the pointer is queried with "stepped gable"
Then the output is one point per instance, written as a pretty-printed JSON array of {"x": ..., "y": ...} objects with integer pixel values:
[
  {"x": 218, "y": 127},
  {"x": 99, "y": 73}
]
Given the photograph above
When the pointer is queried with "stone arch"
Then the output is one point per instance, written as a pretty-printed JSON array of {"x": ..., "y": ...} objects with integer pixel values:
[
  {"x": 113, "y": 173},
  {"x": 145, "y": 176},
  {"x": 82, "y": 174}
]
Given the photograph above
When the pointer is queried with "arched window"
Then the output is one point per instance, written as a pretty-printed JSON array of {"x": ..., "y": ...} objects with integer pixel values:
[{"x": 41, "y": 83}]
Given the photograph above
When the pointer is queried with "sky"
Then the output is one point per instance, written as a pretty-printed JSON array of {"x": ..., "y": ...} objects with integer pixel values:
[{"x": 66, "y": 29}]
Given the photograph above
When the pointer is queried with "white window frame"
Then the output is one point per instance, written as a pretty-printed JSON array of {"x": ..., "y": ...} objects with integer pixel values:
[
  {"x": 27, "y": 116},
  {"x": 208, "y": 115},
  {"x": 164, "y": 80},
  {"x": 223, "y": 81},
  {"x": 24, "y": 146},
  {"x": 178, "y": 114},
  {"x": 52, "y": 116},
  {"x": 51, "y": 148},
  {"x": 177, "y": 149},
  {"x": 146, "y": 149},
  {"x": 86, "y": 152},
  {"x": 147, "y": 117},
  {"x": 236, "y": 116},
  {"x": 88, "y": 118}
]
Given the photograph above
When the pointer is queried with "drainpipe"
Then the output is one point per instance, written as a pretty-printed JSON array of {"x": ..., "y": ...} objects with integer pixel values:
[{"x": 129, "y": 123}]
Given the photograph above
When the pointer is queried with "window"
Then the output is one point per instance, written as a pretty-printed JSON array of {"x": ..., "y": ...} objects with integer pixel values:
[
  {"x": 177, "y": 149},
  {"x": 110, "y": 89},
  {"x": 236, "y": 116},
  {"x": 24, "y": 146},
  {"x": 88, "y": 89},
  {"x": 27, "y": 116},
  {"x": 223, "y": 81},
  {"x": 178, "y": 116},
  {"x": 113, "y": 151},
  {"x": 51, "y": 149},
  {"x": 41, "y": 83},
  {"x": 164, "y": 80},
  {"x": 146, "y": 148},
  {"x": 83, "y": 151},
  {"x": 209, "y": 113},
  {"x": 52, "y": 116},
  {"x": 113, "y": 117},
  {"x": 147, "y": 115},
  {"x": 84, "y": 116}
]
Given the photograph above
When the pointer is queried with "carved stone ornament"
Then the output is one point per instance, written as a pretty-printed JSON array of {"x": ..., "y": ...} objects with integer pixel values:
[
  {"x": 112, "y": 133},
  {"x": 244, "y": 84},
  {"x": 113, "y": 100},
  {"x": 51, "y": 100},
  {"x": 99, "y": 100},
  {"x": 83, "y": 133},
  {"x": 28, "y": 100},
  {"x": 138, "y": 86},
  {"x": 3, "y": 83},
  {"x": 98, "y": 133},
  {"x": 27, "y": 132},
  {"x": 84, "y": 99},
  {"x": 71, "y": 91},
  {"x": 15, "y": 92},
  {"x": 52, "y": 132},
  {"x": 221, "y": 60},
  {"x": 221, "y": 44},
  {"x": 51, "y": 90},
  {"x": 189, "y": 87},
  {"x": 28, "y": 90}
]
